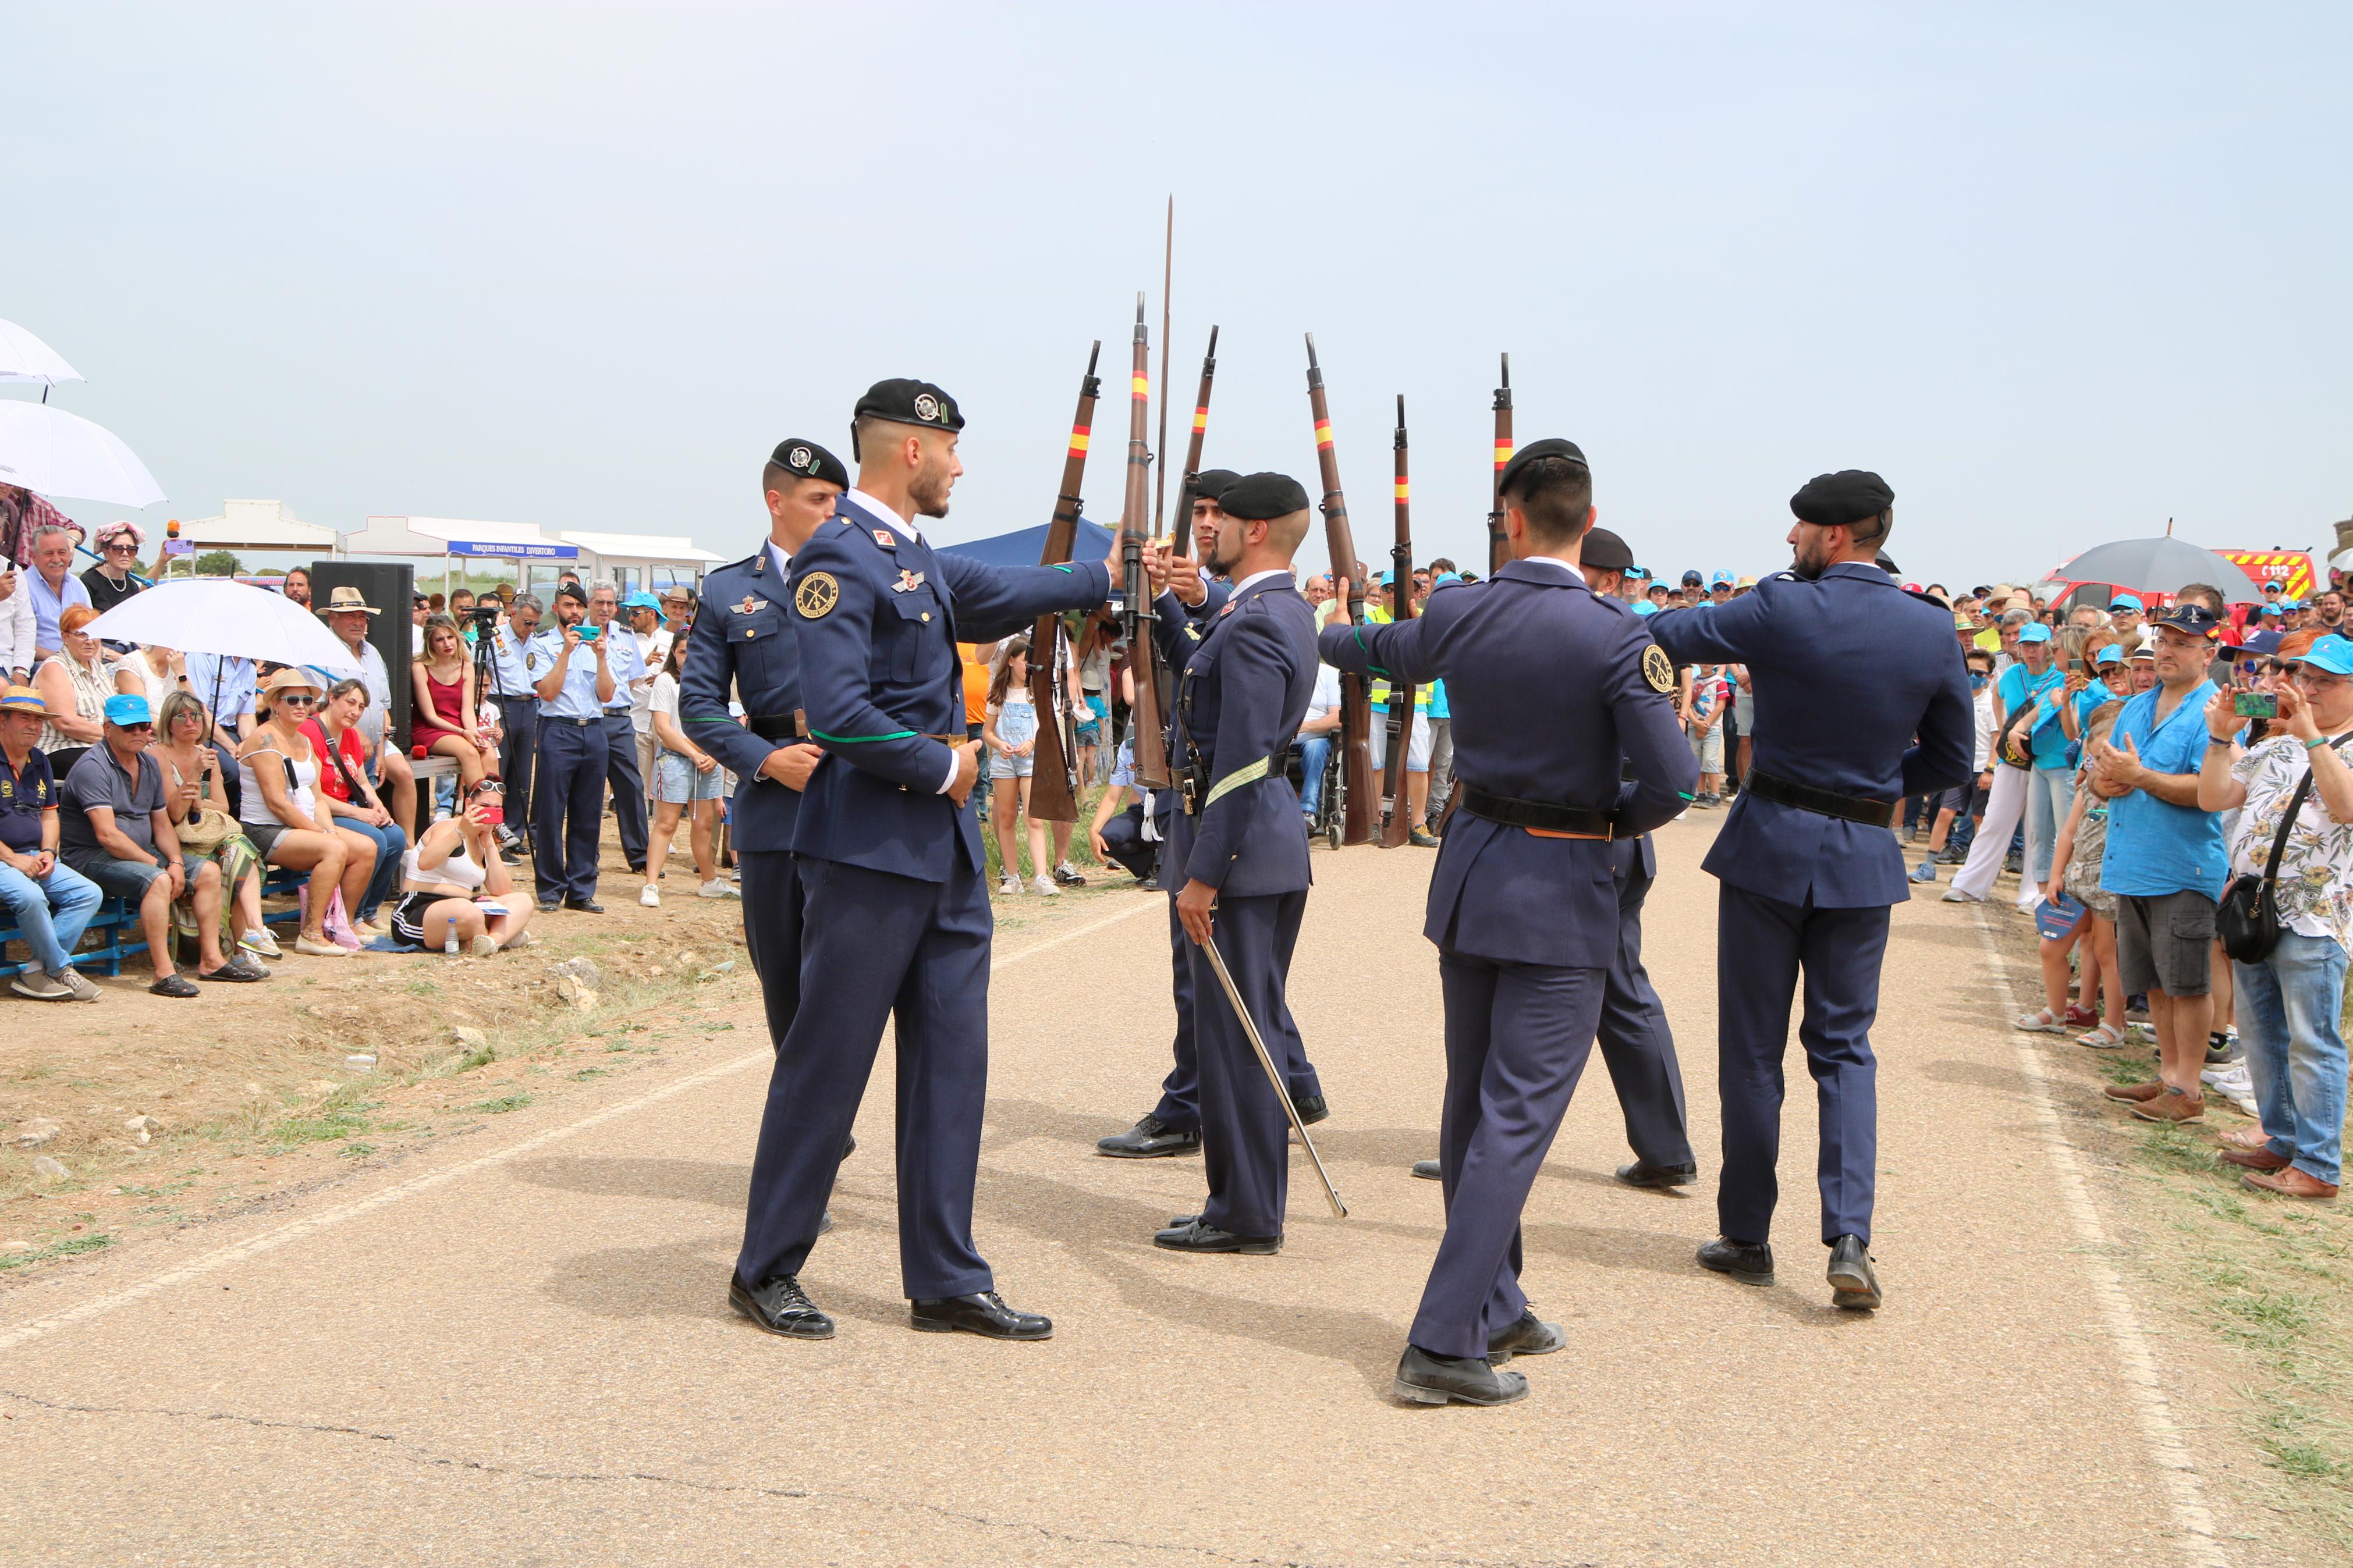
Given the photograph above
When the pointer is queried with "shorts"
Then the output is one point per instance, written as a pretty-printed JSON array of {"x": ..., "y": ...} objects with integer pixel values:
[
  {"x": 1743, "y": 711},
  {"x": 2166, "y": 943},
  {"x": 129, "y": 879},
  {"x": 677, "y": 781},
  {"x": 1005, "y": 765},
  {"x": 408, "y": 915},
  {"x": 1960, "y": 800},
  {"x": 1708, "y": 748},
  {"x": 1090, "y": 728},
  {"x": 1417, "y": 744},
  {"x": 264, "y": 835}
]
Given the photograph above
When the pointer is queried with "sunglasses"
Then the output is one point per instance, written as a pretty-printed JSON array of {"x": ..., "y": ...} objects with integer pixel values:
[
  {"x": 135, "y": 728},
  {"x": 296, "y": 699},
  {"x": 119, "y": 548}
]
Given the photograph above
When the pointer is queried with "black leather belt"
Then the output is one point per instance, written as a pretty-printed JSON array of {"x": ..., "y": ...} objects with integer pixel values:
[
  {"x": 568, "y": 718},
  {"x": 1826, "y": 803},
  {"x": 790, "y": 726},
  {"x": 1541, "y": 815}
]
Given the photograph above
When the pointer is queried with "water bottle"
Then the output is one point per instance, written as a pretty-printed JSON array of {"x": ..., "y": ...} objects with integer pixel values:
[{"x": 451, "y": 945}]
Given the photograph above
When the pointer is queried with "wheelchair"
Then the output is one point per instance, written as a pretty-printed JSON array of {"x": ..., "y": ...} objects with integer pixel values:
[{"x": 1331, "y": 804}]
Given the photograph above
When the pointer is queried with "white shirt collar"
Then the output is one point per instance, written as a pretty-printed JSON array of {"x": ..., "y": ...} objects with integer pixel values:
[
  {"x": 784, "y": 562},
  {"x": 1261, "y": 577},
  {"x": 1571, "y": 567},
  {"x": 888, "y": 512}
]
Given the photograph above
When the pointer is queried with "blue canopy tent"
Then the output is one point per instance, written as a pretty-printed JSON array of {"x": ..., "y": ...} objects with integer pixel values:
[{"x": 1023, "y": 546}]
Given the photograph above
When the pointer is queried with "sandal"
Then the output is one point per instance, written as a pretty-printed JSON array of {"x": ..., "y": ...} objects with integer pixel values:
[
  {"x": 2102, "y": 1038},
  {"x": 2042, "y": 1021}
]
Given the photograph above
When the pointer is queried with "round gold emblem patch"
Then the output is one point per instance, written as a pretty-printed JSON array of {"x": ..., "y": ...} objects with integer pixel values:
[
  {"x": 816, "y": 595},
  {"x": 1658, "y": 669}
]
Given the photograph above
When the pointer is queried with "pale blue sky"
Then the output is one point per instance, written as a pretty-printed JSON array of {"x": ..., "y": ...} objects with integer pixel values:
[{"x": 2058, "y": 272}]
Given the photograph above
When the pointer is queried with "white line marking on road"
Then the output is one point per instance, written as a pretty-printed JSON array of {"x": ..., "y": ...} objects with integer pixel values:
[
  {"x": 2167, "y": 1446},
  {"x": 295, "y": 1230}
]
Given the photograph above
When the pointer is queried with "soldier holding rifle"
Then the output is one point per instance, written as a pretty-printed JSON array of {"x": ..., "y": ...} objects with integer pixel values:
[{"x": 1522, "y": 902}]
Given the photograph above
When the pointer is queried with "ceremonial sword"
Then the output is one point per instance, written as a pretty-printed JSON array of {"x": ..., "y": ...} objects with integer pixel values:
[{"x": 1274, "y": 1077}]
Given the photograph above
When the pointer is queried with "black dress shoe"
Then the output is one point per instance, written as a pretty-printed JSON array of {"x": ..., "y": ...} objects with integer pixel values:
[
  {"x": 549, "y": 906},
  {"x": 1429, "y": 1170},
  {"x": 1852, "y": 1284},
  {"x": 585, "y": 906},
  {"x": 779, "y": 1306},
  {"x": 1195, "y": 1236},
  {"x": 849, "y": 1148},
  {"x": 1642, "y": 1173},
  {"x": 1311, "y": 1108},
  {"x": 1751, "y": 1262},
  {"x": 1150, "y": 1139},
  {"x": 984, "y": 1313},
  {"x": 1426, "y": 1379},
  {"x": 1529, "y": 1336}
]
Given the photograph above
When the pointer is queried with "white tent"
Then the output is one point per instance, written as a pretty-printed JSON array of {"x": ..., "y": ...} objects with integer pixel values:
[
  {"x": 257, "y": 525},
  {"x": 640, "y": 560}
]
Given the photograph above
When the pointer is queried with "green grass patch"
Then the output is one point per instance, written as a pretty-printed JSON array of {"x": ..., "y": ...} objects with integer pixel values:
[
  {"x": 591, "y": 1072},
  {"x": 501, "y": 1105},
  {"x": 66, "y": 1248}
]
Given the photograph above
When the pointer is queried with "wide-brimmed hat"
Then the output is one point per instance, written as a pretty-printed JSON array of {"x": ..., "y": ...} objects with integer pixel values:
[
  {"x": 291, "y": 677},
  {"x": 21, "y": 700},
  {"x": 347, "y": 599}
]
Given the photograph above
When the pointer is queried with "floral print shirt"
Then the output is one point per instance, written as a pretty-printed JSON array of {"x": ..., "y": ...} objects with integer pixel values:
[{"x": 2316, "y": 875}]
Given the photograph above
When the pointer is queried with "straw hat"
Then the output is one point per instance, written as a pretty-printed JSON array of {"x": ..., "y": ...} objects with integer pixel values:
[
  {"x": 291, "y": 678},
  {"x": 347, "y": 598}
]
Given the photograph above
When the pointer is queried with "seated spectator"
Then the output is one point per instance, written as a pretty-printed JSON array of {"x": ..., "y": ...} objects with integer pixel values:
[
  {"x": 277, "y": 774},
  {"x": 161, "y": 671},
  {"x": 336, "y": 733},
  {"x": 110, "y": 581},
  {"x": 117, "y": 831},
  {"x": 1317, "y": 734},
  {"x": 206, "y": 824},
  {"x": 49, "y": 902},
  {"x": 441, "y": 691},
  {"x": 2291, "y": 1004},
  {"x": 455, "y": 887},
  {"x": 686, "y": 778},
  {"x": 74, "y": 683},
  {"x": 53, "y": 587}
]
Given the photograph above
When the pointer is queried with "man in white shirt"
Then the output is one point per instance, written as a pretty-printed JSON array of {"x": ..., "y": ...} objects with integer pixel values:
[
  {"x": 1318, "y": 732},
  {"x": 1969, "y": 799},
  {"x": 653, "y": 646}
]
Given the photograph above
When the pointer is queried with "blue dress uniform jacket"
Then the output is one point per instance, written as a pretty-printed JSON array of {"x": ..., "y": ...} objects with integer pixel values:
[
  {"x": 1547, "y": 685},
  {"x": 1847, "y": 669},
  {"x": 1240, "y": 702},
  {"x": 896, "y": 918},
  {"x": 742, "y": 646},
  {"x": 1860, "y": 689}
]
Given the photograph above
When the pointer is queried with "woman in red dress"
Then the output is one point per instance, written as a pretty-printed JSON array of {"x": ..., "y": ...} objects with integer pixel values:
[{"x": 441, "y": 688}]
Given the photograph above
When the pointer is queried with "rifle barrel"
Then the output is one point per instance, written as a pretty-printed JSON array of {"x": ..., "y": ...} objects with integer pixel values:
[
  {"x": 1143, "y": 652},
  {"x": 1499, "y": 548},
  {"x": 1398, "y": 829},
  {"x": 1356, "y": 710}
]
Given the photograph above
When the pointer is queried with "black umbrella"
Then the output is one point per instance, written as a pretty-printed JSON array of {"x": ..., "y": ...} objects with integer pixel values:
[{"x": 2160, "y": 566}]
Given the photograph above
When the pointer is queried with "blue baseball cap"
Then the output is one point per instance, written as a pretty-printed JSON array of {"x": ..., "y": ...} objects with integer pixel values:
[
  {"x": 2269, "y": 607},
  {"x": 1721, "y": 579},
  {"x": 2124, "y": 602},
  {"x": 2034, "y": 631},
  {"x": 2259, "y": 645},
  {"x": 2331, "y": 653},
  {"x": 2289, "y": 603},
  {"x": 641, "y": 601},
  {"x": 1638, "y": 571},
  {"x": 124, "y": 707},
  {"x": 1388, "y": 579},
  {"x": 2113, "y": 653}
]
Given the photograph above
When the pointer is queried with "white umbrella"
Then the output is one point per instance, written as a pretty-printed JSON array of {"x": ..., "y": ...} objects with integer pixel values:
[
  {"x": 24, "y": 357},
  {"x": 55, "y": 453},
  {"x": 219, "y": 615}
]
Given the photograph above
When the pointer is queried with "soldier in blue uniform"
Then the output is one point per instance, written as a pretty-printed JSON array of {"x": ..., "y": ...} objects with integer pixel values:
[
  {"x": 895, "y": 916},
  {"x": 628, "y": 665},
  {"x": 1549, "y": 686},
  {"x": 1861, "y": 698},
  {"x": 1235, "y": 844},
  {"x": 568, "y": 794},
  {"x": 516, "y": 669},
  {"x": 1183, "y": 614}
]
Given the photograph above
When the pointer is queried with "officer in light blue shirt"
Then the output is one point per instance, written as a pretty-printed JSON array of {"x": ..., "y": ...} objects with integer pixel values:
[
  {"x": 575, "y": 684},
  {"x": 628, "y": 665},
  {"x": 518, "y": 658},
  {"x": 224, "y": 684}
]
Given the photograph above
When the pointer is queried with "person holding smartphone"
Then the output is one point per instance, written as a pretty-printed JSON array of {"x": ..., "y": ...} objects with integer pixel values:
[{"x": 455, "y": 885}]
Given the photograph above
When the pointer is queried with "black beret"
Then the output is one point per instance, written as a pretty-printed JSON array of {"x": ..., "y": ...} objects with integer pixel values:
[
  {"x": 1255, "y": 498},
  {"x": 1844, "y": 498},
  {"x": 1605, "y": 552},
  {"x": 1211, "y": 483},
  {"x": 904, "y": 402},
  {"x": 568, "y": 590},
  {"x": 1552, "y": 446},
  {"x": 810, "y": 461}
]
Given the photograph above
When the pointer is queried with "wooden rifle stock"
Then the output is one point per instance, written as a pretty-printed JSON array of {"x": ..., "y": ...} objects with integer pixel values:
[
  {"x": 1399, "y": 826},
  {"x": 1146, "y": 726},
  {"x": 1356, "y": 708},
  {"x": 1499, "y": 547},
  {"x": 1054, "y": 782}
]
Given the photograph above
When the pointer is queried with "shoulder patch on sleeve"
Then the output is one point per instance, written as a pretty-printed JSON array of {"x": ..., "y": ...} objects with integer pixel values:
[
  {"x": 816, "y": 595},
  {"x": 1658, "y": 668}
]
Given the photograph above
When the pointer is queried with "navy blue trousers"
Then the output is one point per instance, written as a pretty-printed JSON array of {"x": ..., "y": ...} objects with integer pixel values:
[
  {"x": 1517, "y": 1036},
  {"x": 568, "y": 808},
  {"x": 1761, "y": 946},
  {"x": 517, "y": 748},
  {"x": 1180, "y": 1091},
  {"x": 772, "y": 929},
  {"x": 876, "y": 949},
  {"x": 1636, "y": 1047},
  {"x": 1123, "y": 836},
  {"x": 1245, "y": 1134},
  {"x": 628, "y": 785}
]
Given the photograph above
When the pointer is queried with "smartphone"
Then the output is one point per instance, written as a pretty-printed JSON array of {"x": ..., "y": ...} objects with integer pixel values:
[
  {"x": 2256, "y": 704},
  {"x": 587, "y": 632},
  {"x": 493, "y": 814}
]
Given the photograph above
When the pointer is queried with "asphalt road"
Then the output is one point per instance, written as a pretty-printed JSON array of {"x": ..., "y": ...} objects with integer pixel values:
[{"x": 515, "y": 1348}]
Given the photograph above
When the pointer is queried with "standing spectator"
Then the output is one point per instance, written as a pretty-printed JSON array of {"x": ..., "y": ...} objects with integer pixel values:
[
  {"x": 278, "y": 780},
  {"x": 678, "y": 610},
  {"x": 1441, "y": 716},
  {"x": 420, "y": 607},
  {"x": 686, "y": 779},
  {"x": 74, "y": 683},
  {"x": 1415, "y": 804},
  {"x": 1705, "y": 727},
  {"x": 2291, "y": 1004},
  {"x": 514, "y": 676},
  {"x": 117, "y": 831},
  {"x": 2125, "y": 617},
  {"x": 621, "y": 770},
  {"x": 2328, "y": 609},
  {"x": 1318, "y": 732},
  {"x": 568, "y": 786},
  {"x": 347, "y": 616},
  {"x": 456, "y": 886},
  {"x": 110, "y": 581},
  {"x": 49, "y": 901},
  {"x": 2092, "y": 937},
  {"x": 2165, "y": 861},
  {"x": 1956, "y": 804},
  {"x": 1096, "y": 640},
  {"x": 1010, "y": 729},
  {"x": 204, "y": 822},
  {"x": 336, "y": 737},
  {"x": 296, "y": 586},
  {"x": 2044, "y": 686},
  {"x": 52, "y": 584},
  {"x": 654, "y": 642},
  {"x": 2012, "y": 766},
  {"x": 441, "y": 692}
]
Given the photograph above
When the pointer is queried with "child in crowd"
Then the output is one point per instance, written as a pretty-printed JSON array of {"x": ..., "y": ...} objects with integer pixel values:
[
  {"x": 1010, "y": 728},
  {"x": 1705, "y": 727},
  {"x": 687, "y": 779},
  {"x": 2076, "y": 880}
]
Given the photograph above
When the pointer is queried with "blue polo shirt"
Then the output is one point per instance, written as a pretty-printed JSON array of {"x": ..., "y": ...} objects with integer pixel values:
[
  {"x": 24, "y": 796},
  {"x": 2156, "y": 847},
  {"x": 577, "y": 698},
  {"x": 2047, "y": 739}
]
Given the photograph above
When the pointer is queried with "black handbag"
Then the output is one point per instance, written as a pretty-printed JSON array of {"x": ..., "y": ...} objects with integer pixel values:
[{"x": 2248, "y": 921}]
